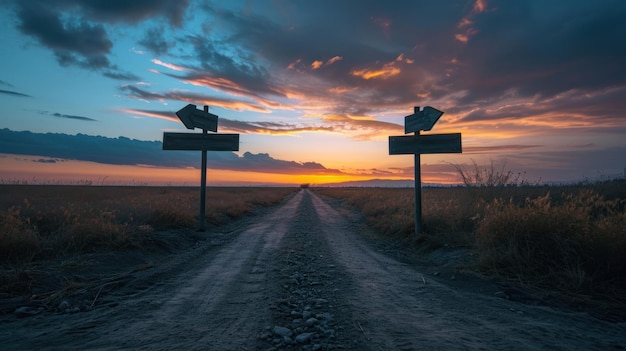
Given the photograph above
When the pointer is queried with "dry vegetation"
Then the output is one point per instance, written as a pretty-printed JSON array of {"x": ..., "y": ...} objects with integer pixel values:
[
  {"x": 43, "y": 221},
  {"x": 571, "y": 238}
]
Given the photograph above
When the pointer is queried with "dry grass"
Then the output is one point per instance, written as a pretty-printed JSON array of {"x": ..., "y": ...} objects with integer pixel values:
[
  {"x": 42, "y": 221},
  {"x": 571, "y": 238}
]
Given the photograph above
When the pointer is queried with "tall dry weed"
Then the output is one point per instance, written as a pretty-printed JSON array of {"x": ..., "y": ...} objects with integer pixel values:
[{"x": 577, "y": 244}]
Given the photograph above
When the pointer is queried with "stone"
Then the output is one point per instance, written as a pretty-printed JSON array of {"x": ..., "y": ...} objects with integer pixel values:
[
  {"x": 282, "y": 331},
  {"x": 304, "y": 338}
]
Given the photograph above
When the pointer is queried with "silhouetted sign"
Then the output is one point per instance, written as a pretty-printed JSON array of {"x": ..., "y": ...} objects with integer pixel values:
[
  {"x": 196, "y": 141},
  {"x": 421, "y": 120},
  {"x": 194, "y": 118},
  {"x": 422, "y": 144},
  {"x": 425, "y": 144}
]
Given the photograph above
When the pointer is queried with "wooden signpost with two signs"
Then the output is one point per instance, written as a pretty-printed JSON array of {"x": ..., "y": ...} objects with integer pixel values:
[
  {"x": 193, "y": 118},
  {"x": 417, "y": 144}
]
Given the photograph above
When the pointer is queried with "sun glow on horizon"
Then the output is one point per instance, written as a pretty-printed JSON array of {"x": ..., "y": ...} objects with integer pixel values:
[{"x": 40, "y": 170}]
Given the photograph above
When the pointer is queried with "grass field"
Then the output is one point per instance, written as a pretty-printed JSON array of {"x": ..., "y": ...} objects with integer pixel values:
[
  {"x": 42, "y": 221},
  {"x": 571, "y": 238}
]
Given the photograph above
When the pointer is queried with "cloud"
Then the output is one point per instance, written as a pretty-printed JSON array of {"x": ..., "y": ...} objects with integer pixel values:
[
  {"x": 74, "y": 42},
  {"x": 65, "y": 116},
  {"x": 131, "y": 11},
  {"x": 530, "y": 65},
  {"x": 125, "y": 151},
  {"x": 497, "y": 148},
  {"x": 542, "y": 53},
  {"x": 235, "y": 126},
  {"x": 192, "y": 97},
  {"x": 361, "y": 127},
  {"x": 119, "y": 75},
  {"x": 74, "y": 30},
  {"x": 13, "y": 93},
  {"x": 541, "y": 50},
  {"x": 80, "y": 118},
  {"x": 154, "y": 41},
  {"x": 46, "y": 160}
]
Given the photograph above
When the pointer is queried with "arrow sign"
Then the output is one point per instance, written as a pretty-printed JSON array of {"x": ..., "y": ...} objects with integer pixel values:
[
  {"x": 421, "y": 120},
  {"x": 205, "y": 142},
  {"x": 425, "y": 144},
  {"x": 194, "y": 118}
]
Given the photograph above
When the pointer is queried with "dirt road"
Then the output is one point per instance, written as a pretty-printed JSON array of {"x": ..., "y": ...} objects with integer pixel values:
[{"x": 302, "y": 277}]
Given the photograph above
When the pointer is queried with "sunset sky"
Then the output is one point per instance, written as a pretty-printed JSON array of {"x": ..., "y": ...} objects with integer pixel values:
[{"x": 315, "y": 88}]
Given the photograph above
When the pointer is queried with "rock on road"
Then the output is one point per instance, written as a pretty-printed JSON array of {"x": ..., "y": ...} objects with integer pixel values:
[{"x": 302, "y": 277}]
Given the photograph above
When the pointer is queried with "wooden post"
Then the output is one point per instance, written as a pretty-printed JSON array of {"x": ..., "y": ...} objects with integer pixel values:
[
  {"x": 203, "y": 183},
  {"x": 422, "y": 144},
  {"x": 418, "y": 192}
]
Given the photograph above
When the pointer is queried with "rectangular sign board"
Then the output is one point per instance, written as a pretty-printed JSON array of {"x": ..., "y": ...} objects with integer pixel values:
[
  {"x": 197, "y": 141},
  {"x": 425, "y": 144}
]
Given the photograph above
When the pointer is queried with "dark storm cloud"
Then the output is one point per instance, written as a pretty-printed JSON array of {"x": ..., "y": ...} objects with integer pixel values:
[
  {"x": 74, "y": 43},
  {"x": 154, "y": 41},
  {"x": 316, "y": 31},
  {"x": 125, "y": 151},
  {"x": 132, "y": 11},
  {"x": 238, "y": 67},
  {"x": 460, "y": 53},
  {"x": 544, "y": 48},
  {"x": 74, "y": 29}
]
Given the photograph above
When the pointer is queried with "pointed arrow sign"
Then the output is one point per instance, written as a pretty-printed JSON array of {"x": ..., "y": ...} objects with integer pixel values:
[
  {"x": 421, "y": 120},
  {"x": 194, "y": 118}
]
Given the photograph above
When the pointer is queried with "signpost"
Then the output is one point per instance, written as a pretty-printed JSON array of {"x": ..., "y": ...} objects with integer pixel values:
[
  {"x": 422, "y": 144},
  {"x": 194, "y": 118}
]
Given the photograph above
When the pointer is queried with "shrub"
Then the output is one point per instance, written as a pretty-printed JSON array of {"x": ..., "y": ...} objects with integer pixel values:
[
  {"x": 575, "y": 245},
  {"x": 17, "y": 237}
]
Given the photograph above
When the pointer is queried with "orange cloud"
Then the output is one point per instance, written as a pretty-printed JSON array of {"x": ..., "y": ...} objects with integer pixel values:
[
  {"x": 334, "y": 59},
  {"x": 316, "y": 64},
  {"x": 382, "y": 73},
  {"x": 154, "y": 114},
  {"x": 388, "y": 70},
  {"x": 341, "y": 90},
  {"x": 293, "y": 65},
  {"x": 479, "y": 7}
]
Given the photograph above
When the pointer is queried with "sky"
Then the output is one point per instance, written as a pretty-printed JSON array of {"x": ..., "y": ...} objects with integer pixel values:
[{"x": 314, "y": 88}]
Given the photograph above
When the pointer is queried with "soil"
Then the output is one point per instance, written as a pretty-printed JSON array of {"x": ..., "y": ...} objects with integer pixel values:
[{"x": 305, "y": 275}]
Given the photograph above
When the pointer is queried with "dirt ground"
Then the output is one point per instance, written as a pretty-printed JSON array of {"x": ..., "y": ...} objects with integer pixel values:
[{"x": 300, "y": 276}]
